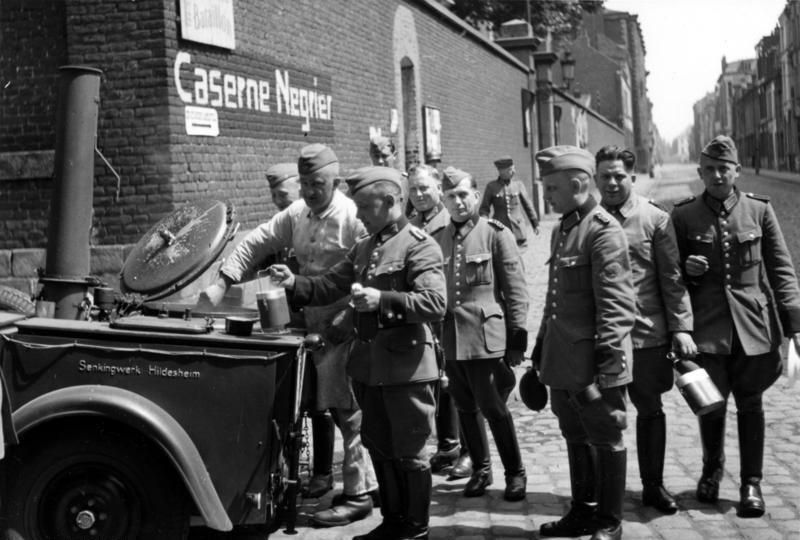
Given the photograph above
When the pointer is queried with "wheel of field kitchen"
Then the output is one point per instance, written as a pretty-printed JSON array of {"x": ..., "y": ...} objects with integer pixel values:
[
  {"x": 12, "y": 299},
  {"x": 99, "y": 486}
]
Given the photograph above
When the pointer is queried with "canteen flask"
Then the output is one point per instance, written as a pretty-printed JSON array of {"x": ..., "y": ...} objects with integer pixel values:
[{"x": 696, "y": 386}]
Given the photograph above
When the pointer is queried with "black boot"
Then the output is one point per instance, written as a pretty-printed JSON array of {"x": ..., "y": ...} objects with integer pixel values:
[
  {"x": 651, "y": 441},
  {"x": 474, "y": 431},
  {"x": 580, "y": 518},
  {"x": 448, "y": 447},
  {"x": 751, "y": 451},
  {"x": 505, "y": 437},
  {"x": 462, "y": 468},
  {"x": 322, "y": 436},
  {"x": 417, "y": 487},
  {"x": 712, "y": 437},
  {"x": 610, "y": 493},
  {"x": 389, "y": 486}
]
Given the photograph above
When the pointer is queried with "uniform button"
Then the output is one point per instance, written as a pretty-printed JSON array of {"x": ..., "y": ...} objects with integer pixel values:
[
  {"x": 724, "y": 222},
  {"x": 727, "y": 265},
  {"x": 458, "y": 274},
  {"x": 555, "y": 280},
  {"x": 727, "y": 276},
  {"x": 552, "y": 291},
  {"x": 553, "y": 316},
  {"x": 726, "y": 244},
  {"x": 458, "y": 293},
  {"x": 751, "y": 235},
  {"x": 572, "y": 263},
  {"x": 458, "y": 302},
  {"x": 400, "y": 317},
  {"x": 697, "y": 237},
  {"x": 728, "y": 286},
  {"x": 623, "y": 365},
  {"x": 390, "y": 315},
  {"x": 554, "y": 304},
  {"x": 727, "y": 255},
  {"x": 413, "y": 342},
  {"x": 458, "y": 283},
  {"x": 372, "y": 265}
]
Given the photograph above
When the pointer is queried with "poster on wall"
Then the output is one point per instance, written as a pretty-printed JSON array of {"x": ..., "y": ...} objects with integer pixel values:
[
  {"x": 209, "y": 22},
  {"x": 433, "y": 133}
]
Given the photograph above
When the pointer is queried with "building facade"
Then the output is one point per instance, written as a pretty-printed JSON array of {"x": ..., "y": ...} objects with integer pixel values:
[{"x": 197, "y": 104}]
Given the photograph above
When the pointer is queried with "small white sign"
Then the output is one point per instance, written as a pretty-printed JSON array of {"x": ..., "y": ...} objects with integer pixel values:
[
  {"x": 201, "y": 121},
  {"x": 208, "y": 21}
]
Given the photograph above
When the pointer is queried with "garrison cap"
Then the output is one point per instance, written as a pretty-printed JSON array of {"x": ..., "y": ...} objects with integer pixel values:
[
  {"x": 503, "y": 162},
  {"x": 315, "y": 156},
  {"x": 281, "y": 172},
  {"x": 722, "y": 148},
  {"x": 381, "y": 145},
  {"x": 562, "y": 158},
  {"x": 532, "y": 392},
  {"x": 451, "y": 177},
  {"x": 365, "y": 176}
]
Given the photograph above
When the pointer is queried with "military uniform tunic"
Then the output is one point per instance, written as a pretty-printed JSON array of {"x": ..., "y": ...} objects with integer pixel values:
[
  {"x": 392, "y": 362},
  {"x": 750, "y": 288},
  {"x": 433, "y": 222},
  {"x": 506, "y": 201},
  {"x": 590, "y": 305}
]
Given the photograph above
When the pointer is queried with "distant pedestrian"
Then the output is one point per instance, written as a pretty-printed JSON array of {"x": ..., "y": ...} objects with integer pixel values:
[
  {"x": 664, "y": 312},
  {"x": 583, "y": 348},
  {"x": 505, "y": 200},
  {"x": 425, "y": 195},
  {"x": 484, "y": 331},
  {"x": 744, "y": 295},
  {"x": 399, "y": 291}
]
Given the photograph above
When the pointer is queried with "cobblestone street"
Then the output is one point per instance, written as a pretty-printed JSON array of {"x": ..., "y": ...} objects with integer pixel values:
[{"x": 454, "y": 516}]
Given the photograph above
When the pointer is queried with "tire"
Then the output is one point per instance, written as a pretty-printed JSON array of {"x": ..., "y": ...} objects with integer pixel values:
[
  {"x": 99, "y": 486},
  {"x": 12, "y": 299}
]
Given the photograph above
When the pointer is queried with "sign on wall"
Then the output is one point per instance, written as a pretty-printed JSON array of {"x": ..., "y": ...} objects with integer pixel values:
[
  {"x": 433, "y": 133},
  {"x": 209, "y": 22},
  {"x": 252, "y": 97}
]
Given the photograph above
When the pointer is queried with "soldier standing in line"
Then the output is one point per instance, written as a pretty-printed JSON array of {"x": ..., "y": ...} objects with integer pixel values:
[
  {"x": 584, "y": 344},
  {"x": 382, "y": 151},
  {"x": 663, "y": 310},
  {"x": 744, "y": 293},
  {"x": 398, "y": 291},
  {"x": 284, "y": 186},
  {"x": 425, "y": 194},
  {"x": 321, "y": 228},
  {"x": 505, "y": 199},
  {"x": 484, "y": 331}
]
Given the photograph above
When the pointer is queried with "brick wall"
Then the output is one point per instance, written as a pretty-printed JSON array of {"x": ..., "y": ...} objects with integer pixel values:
[{"x": 347, "y": 49}]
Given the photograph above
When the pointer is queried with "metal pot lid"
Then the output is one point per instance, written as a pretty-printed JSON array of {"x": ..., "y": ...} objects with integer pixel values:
[{"x": 178, "y": 249}]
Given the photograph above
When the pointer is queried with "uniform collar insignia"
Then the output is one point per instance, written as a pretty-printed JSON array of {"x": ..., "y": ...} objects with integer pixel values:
[
  {"x": 623, "y": 209},
  {"x": 718, "y": 206},
  {"x": 391, "y": 229},
  {"x": 573, "y": 218}
]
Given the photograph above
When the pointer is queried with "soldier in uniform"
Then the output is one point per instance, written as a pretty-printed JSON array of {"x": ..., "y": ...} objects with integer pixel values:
[
  {"x": 382, "y": 151},
  {"x": 744, "y": 293},
  {"x": 284, "y": 184},
  {"x": 505, "y": 199},
  {"x": 484, "y": 330},
  {"x": 583, "y": 347},
  {"x": 398, "y": 291},
  {"x": 425, "y": 195},
  {"x": 321, "y": 228},
  {"x": 664, "y": 312}
]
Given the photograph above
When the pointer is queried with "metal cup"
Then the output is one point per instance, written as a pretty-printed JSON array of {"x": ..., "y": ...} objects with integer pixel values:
[{"x": 273, "y": 310}]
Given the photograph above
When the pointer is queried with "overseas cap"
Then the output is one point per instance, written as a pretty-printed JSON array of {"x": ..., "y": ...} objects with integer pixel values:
[
  {"x": 722, "y": 148},
  {"x": 451, "y": 177},
  {"x": 503, "y": 162},
  {"x": 562, "y": 158},
  {"x": 532, "y": 391},
  {"x": 366, "y": 176},
  {"x": 313, "y": 157},
  {"x": 281, "y": 172}
]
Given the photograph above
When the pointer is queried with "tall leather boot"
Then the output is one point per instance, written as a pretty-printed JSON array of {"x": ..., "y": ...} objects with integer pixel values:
[
  {"x": 505, "y": 437},
  {"x": 462, "y": 468},
  {"x": 417, "y": 485},
  {"x": 448, "y": 447},
  {"x": 712, "y": 437},
  {"x": 610, "y": 493},
  {"x": 392, "y": 511},
  {"x": 651, "y": 441},
  {"x": 751, "y": 451},
  {"x": 322, "y": 436},
  {"x": 475, "y": 436},
  {"x": 580, "y": 518}
]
